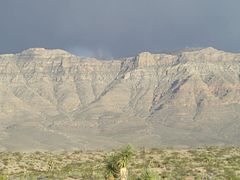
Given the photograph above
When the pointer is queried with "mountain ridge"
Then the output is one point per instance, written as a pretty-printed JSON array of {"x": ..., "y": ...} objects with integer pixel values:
[{"x": 39, "y": 50}]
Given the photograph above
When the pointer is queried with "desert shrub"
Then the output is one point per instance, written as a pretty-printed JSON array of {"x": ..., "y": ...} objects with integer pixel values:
[{"x": 148, "y": 174}]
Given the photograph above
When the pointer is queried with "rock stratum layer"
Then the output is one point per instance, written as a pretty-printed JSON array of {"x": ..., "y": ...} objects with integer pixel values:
[{"x": 51, "y": 100}]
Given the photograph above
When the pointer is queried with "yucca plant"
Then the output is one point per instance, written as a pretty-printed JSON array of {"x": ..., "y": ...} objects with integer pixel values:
[
  {"x": 117, "y": 163},
  {"x": 125, "y": 156},
  {"x": 112, "y": 169}
]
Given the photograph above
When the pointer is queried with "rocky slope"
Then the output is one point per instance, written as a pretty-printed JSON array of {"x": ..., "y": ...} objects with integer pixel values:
[{"x": 50, "y": 99}]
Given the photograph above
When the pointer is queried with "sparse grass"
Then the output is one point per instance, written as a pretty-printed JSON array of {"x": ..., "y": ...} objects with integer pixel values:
[{"x": 202, "y": 163}]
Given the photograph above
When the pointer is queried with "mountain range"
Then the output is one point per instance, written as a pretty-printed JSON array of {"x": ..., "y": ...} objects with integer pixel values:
[{"x": 53, "y": 100}]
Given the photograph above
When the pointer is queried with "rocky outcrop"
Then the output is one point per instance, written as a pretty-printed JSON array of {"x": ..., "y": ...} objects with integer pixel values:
[{"x": 186, "y": 98}]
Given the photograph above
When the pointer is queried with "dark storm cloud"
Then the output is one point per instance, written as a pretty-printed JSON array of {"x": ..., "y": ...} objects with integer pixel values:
[{"x": 113, "y": 28}]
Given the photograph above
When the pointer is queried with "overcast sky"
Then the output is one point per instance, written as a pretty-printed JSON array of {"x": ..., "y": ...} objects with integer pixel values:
[{"x": 118, "y": 28}]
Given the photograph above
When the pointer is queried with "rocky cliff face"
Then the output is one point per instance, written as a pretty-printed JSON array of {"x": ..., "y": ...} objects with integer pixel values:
[{"x": 50, "y": 99}]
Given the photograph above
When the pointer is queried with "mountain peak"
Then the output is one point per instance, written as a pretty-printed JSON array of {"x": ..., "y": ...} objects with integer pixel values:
[
  {"x": 145, "y": 59},
  {"x": 45, "y": 52},
  {"x": 209, "y": 50}
]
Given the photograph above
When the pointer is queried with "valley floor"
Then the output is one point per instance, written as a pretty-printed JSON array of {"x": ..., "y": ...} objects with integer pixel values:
[{"x": 199, "y": 163}]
